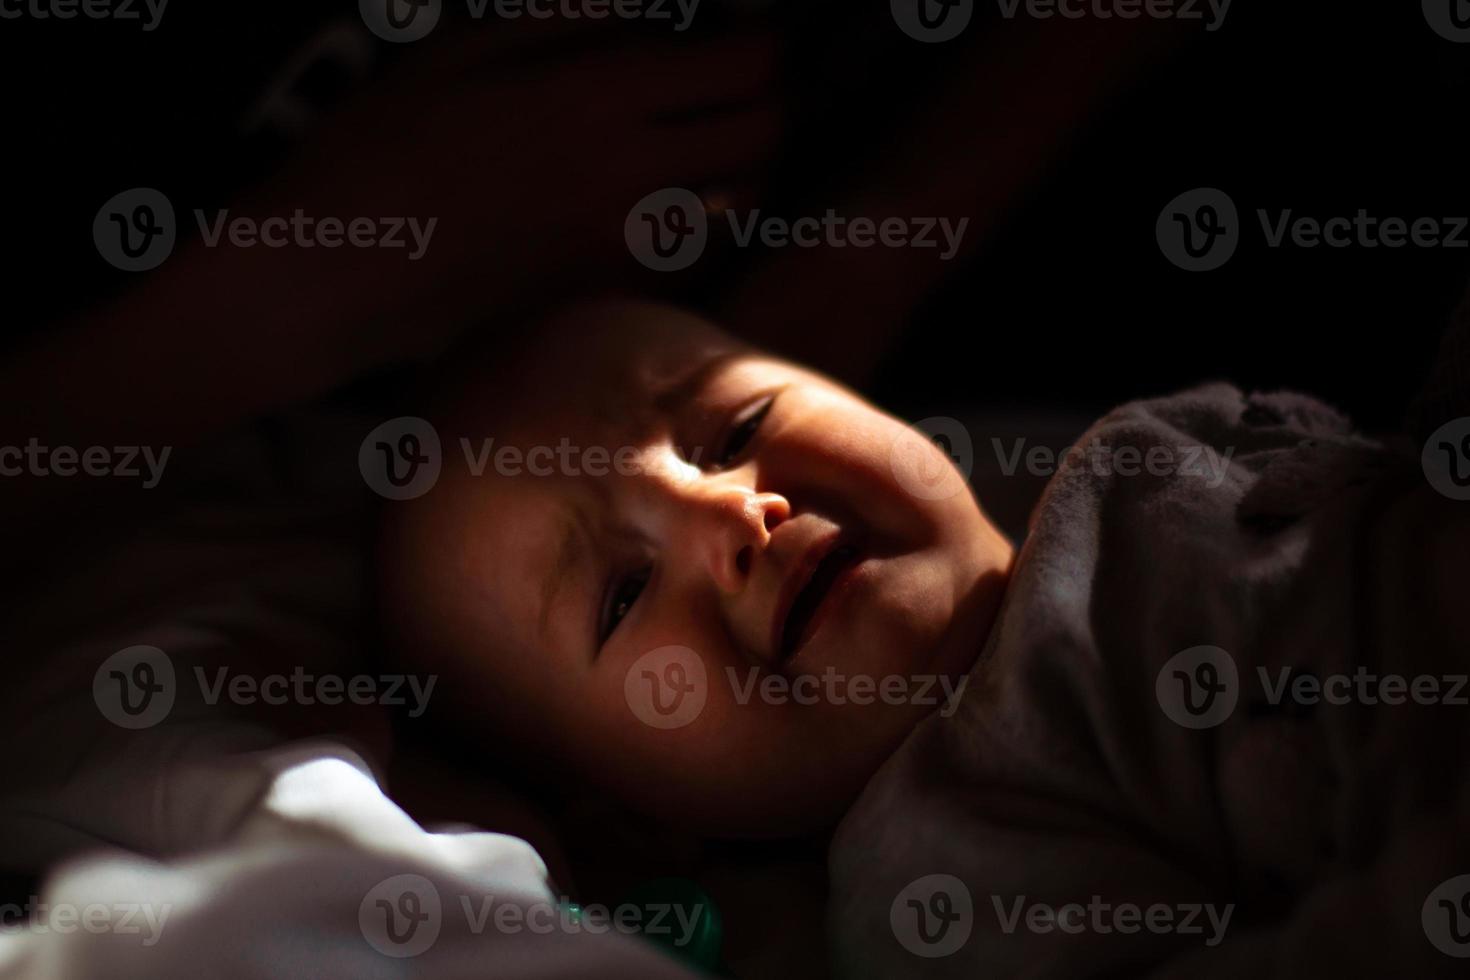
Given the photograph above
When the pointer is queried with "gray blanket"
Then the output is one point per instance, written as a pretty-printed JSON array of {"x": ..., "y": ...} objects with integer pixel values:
[{"x": 1219, "y": 729}]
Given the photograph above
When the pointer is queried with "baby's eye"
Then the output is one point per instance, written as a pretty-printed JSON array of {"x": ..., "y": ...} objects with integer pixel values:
[
  {"x": 620, "y": 599},
  {"x": 744, "y": 430}
]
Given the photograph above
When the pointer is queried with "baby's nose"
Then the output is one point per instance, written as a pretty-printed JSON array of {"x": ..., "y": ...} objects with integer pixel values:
[{"x": 735, "y": 526}]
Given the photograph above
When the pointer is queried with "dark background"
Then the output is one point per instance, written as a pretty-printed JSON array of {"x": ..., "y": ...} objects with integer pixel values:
[{"x": 1321, "y": 108}]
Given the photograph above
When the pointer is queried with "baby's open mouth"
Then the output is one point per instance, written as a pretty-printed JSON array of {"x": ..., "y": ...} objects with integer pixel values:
[{"x": 803, "y": 618}]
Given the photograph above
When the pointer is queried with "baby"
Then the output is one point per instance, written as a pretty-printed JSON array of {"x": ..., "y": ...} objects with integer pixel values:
[
  {"x": 747, "y": 513},
  {"x": 1127, "y": 767}
]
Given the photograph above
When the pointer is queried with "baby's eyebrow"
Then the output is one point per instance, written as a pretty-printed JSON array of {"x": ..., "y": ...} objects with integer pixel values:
[
  {"x": 671, "y": 400},
  {"x": 574, "y": 545}
]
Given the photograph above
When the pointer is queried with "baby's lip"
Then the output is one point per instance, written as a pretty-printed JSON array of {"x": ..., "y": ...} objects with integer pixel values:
[{"x": 781, "y": 645}]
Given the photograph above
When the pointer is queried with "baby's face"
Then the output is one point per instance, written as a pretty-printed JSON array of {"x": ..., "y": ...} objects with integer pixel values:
[{"x": 715, "y": 583}]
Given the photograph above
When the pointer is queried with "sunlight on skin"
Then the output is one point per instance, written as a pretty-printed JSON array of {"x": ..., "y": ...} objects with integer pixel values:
[{"x": 537, "y": 596}]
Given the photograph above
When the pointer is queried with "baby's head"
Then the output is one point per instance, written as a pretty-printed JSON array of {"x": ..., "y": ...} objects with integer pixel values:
[{"x": 671, "y": 530}]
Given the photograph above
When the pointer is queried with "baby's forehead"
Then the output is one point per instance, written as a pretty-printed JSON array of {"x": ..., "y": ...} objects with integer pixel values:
[
  {"x": 637, "y": 346},
  {"x": 607, "y": 373}
]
